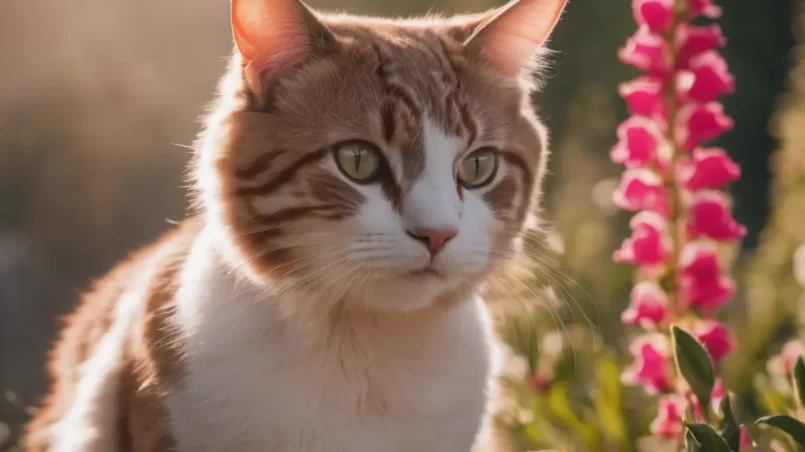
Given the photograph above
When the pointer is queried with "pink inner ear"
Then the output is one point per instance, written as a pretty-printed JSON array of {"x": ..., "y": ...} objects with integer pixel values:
[
  {"x": 270, "y": 34},
  {"x": 512, "y": 37}
]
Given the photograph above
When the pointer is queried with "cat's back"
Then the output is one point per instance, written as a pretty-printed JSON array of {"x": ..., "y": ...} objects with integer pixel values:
[{"x": 103, "y": 342}]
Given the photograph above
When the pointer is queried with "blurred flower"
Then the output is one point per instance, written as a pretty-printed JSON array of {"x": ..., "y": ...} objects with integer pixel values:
[
  {"x": 692, "y": 40},
  {"x": 648, "y": 305},
  {"x": 668, "y": 423},
  {"x": 649, "y": 245},
  {"x": 540, "y": 382},
  {"x": 745, "y": 442},
  {"x": 718, "y": 394},
  {"x": 641, "y": 189},
  {"x": 651, "y": 367},
  {"x": 643, "y": 96},
  {"x": 707, "y": 79},
  {"x": 698, "y": 123},
  {"x": 703, "y": 284},
  {"x": 647, "y": 52},
  {"x": 715, "y": 338},
  {"x": 705, "y": 7},
  {"x": 710, "y": 216},
  {"x": 640, "y": 143},
  {"x": 789, "y": 355},
  {"x": 657, "y": 15},
  {"x": 709, "y": 168}
]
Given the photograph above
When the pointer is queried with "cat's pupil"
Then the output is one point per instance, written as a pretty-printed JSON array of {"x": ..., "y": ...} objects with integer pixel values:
[{"x": 358, "y": 160}]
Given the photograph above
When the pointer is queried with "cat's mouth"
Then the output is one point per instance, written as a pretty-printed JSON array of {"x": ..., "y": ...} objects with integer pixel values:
[{"x": 426, "y": 272}]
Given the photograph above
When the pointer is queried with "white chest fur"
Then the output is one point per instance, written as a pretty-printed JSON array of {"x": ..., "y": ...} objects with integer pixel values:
[{"x": 257, "y": 382}]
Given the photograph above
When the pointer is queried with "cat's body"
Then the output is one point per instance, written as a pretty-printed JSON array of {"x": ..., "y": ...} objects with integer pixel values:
[{"x": 357, "y": 182}]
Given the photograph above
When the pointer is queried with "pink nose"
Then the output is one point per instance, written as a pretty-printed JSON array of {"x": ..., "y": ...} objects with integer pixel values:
[{"x": 434, "y": 239}]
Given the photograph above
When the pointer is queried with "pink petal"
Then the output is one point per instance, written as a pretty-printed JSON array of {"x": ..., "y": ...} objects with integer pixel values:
[
  {"x": 540, "y": 382},
  {"x": 692, "y": 40},
  {"x": 651, "y": 367},
  {"x": 643, "y": 96},
  {"x": 657, "y": 15},
  {"x": 649, "y": 244},
  {"x": 745, "y": 442},
  {"x": 792, "y": 350},
  {"x": 709, "y": 216},
  {"x": 647, "y": 52},
  {"x": 648, "y": 305},
  {"x": 707, "y": 78},
  {"x": 718, "y": 394},
  {"x": 702, "y": 282},
  {"x": 709, "y": 168},
  {"x": 641, "y": 189},
  {"x": 704, "y": 7},
  {"x": 715, "y": 338},
  {"x": 640, "y": 140},
  {"x": 698, "y": 123},
  {"x": 668, "y": 423}
]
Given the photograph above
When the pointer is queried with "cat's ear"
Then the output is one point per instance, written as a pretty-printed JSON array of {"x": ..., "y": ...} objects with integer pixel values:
[
  {"x": 272, "y": 35},
  {"x": 511, "y": 36}
]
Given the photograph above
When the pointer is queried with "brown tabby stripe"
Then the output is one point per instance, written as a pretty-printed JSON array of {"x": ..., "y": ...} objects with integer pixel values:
[
  {"x": 284, "y": 176},
  {"x": 329, "y": 189},
  {"x": 258, "y": 165},
  {"x": 282, "y": 216},
  {"x": 501, "y": 197},
  {"x": 466, "y": 119}
]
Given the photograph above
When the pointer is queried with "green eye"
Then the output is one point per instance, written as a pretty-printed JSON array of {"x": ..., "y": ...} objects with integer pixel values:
[
  {"x": 478, "y": 169},
  {"x": 359, "y": 161}
]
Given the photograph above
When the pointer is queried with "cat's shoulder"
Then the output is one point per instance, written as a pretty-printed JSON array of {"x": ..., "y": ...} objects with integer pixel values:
[{"x": 149, "y": 276}]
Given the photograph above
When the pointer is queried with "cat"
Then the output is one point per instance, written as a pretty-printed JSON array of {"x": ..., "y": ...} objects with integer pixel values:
[{"x": 355, "y": 183}]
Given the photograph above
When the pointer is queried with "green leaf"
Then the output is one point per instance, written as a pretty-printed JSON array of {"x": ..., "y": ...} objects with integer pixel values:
[
  {"x": 787, "y": 424},
  {"x": 730, "y": 430},
  {"x": 799, "y": 380},
  {"x": 708, "y": 438},
  {"x": 691, "y": 443},
  {"x": 694, "y": 364}
]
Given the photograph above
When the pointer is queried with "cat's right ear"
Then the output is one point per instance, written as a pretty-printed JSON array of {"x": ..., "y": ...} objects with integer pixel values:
[{"x": 273, "y": 36}]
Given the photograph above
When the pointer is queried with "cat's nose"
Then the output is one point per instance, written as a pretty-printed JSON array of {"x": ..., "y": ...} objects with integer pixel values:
[{"x": 434, "y": 239}]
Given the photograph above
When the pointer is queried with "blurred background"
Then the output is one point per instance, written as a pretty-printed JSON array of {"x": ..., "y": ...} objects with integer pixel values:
[{"x": 98, "y": 99}]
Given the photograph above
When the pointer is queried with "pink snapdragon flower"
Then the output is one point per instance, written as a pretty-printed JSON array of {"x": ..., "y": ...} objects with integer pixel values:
[
  {"x": 657, "y": 15},
  {"x": 693, "y": 40},
  {"x": 649, "y": 244},
  {"x": 708, "y": 168},
  {"x": 647, "y": 52},
  {"x": 707, "y": 79},
  {"x": 704, "y": 7},
  {"x": 710, "y": 217},
  {"x": 668, "y": 423},
  {"x": 651, "y": 367},
  {"x": 702, "y": 282},
  {"x": 715, "y": 338},
  {"x": 643, "y": 96},
  {"x": 641, "y": 189},
  {"x": 698, "y": 123},
  {"x": 640, "y": 144},
  {"x": 670, "y": 182},
  {"x": 648, "y": 306}
]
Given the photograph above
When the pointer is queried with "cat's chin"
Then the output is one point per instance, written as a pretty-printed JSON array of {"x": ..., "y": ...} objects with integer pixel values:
[{"x": 415, "y": 290}]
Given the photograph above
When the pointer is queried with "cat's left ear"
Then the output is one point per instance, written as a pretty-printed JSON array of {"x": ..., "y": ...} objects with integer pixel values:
[
  {"x": 273, "y": 35},
  {"x": 513, "y": 34}
]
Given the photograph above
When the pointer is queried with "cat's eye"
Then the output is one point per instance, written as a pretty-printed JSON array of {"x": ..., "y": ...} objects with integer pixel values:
[
  {"x": 359, "y": 161},
  {"x": 478, "y": 168}
]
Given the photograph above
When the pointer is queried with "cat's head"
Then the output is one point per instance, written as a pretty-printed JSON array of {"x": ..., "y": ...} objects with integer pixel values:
[{"x": 392, "y": 163}]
